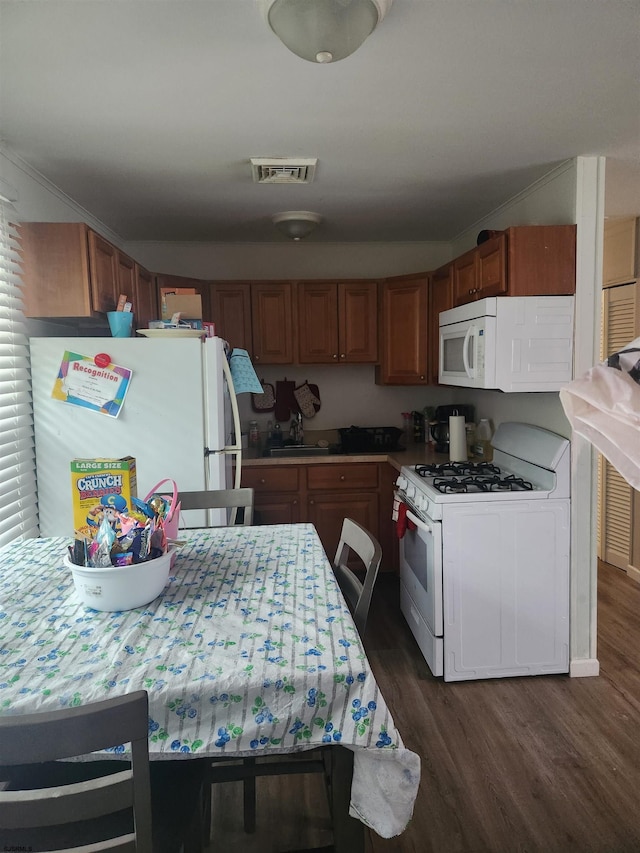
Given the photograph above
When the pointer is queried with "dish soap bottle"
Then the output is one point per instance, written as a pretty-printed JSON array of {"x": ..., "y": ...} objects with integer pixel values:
[{"x": 483, "y": 440}]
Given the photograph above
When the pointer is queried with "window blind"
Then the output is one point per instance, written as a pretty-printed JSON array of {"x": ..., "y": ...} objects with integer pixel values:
[{"x": 18, "y": 504}]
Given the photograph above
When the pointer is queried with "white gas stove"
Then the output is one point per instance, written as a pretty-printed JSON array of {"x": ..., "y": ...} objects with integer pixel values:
[
  {"x": 484, "y": 561},
  {"x": 528, "y": 463}
]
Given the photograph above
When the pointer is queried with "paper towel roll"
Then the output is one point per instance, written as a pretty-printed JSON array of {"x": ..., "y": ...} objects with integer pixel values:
[{"x": 457, "y": 439}]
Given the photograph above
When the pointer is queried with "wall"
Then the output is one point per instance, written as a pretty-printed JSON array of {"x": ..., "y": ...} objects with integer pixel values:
[{"x": 290, "y": 260}]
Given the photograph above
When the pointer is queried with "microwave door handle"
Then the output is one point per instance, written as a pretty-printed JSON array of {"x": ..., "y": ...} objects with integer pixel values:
[{"x": 465, "y": 352}]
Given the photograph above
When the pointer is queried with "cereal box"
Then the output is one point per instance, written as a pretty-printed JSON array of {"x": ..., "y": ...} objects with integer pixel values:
[{"x": 99, "y": 487}]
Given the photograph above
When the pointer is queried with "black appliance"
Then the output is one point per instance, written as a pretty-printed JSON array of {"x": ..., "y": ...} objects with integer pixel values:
[{"x": 439, "y": 426}]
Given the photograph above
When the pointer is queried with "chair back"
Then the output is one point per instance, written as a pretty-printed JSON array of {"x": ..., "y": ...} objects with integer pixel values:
[
  {"x": 31, "y": 739},
  {"x": 355, "y": 538},
  {"x": 221, "y": 499}
]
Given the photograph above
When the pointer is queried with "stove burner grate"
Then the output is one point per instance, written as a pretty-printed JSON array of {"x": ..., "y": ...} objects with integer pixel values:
[
  {"x": 456, "y": 469},
  {"x": 488, "y": 483}
]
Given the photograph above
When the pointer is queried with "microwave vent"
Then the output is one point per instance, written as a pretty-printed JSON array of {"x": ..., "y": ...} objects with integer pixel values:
[{"x": 283, "y": 170}]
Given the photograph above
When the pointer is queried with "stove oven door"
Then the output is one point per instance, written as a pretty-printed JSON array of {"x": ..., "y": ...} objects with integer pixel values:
[{"x": 421, "y": 587}]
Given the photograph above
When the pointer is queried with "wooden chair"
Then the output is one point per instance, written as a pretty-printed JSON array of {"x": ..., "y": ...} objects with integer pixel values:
[
  {"x": 49, "y": 813},
  {"x": 221, "y": 499},
  {"x": 355, "y": 539}
]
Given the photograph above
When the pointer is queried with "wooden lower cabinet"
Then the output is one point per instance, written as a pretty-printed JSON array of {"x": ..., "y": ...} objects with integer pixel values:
[
  {"x": 277, "y": 497},
  {"x": 325, "y": 494}
]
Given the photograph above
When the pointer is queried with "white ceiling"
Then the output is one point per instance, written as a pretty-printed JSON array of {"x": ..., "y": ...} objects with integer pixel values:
[{"x": 146, "y": 112}]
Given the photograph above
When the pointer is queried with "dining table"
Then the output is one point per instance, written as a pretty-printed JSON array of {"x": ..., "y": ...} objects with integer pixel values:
[{"x": 249, "y": 650}]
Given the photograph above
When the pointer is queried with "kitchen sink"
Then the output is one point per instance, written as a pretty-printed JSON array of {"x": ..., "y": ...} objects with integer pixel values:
[{"x": 298, "y": 450}]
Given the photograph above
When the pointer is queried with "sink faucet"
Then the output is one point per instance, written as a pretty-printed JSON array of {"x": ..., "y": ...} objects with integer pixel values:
[{"x": 296, "y": 431}]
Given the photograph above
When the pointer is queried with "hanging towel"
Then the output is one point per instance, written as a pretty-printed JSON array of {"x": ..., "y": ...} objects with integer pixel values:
[
  {"x": 245, "y": 379},
  {"x": 285, "y": 401},
  {"x": 399, "y": 515},
  {"x": 603, "y": 406}
]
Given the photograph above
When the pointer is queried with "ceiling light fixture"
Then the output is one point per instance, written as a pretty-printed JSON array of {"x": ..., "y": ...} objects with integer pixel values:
[
  {"x": 296, "y": 224},
  {"x": 324, "y": 30}
]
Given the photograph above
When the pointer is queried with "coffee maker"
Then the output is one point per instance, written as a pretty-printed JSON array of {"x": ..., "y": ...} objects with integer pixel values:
[{"x": 439, "y": 426}]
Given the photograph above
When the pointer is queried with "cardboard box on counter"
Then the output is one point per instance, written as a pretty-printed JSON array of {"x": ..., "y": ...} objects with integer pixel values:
[{"x": 189, "y": 307}]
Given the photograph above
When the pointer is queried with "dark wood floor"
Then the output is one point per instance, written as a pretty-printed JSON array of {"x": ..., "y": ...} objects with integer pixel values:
[{"x": 527, "y": 764}]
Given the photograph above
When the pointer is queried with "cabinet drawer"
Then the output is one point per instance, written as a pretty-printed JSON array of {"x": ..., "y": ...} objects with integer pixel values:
[
  {"x": 354, "y": 476},
  {"x": 272, "y": 479}
]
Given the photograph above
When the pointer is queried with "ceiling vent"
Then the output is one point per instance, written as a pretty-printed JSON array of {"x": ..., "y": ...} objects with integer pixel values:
[{"x": 283, "y": 170}]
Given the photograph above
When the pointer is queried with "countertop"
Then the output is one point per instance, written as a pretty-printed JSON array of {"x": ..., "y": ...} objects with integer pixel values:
[{"x": 415, "y": 454}]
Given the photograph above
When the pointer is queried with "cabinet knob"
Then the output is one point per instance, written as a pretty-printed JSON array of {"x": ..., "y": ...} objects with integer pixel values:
[
  {"x": 311, "y": 501},
  {"x": 422, "y": 377},
  {"x": 335, "y": 355},
  {"x": 294, "y": 503},
  {"x": 342, "y": 477},
  {"x": 262, "y": 480},
  {"x": 342, "y": 355}
]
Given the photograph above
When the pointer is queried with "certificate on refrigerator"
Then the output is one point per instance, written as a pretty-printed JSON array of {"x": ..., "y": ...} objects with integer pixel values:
[{"x": 92, "y": 382}]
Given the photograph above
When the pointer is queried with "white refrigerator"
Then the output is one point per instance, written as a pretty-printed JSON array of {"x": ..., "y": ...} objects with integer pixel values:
[{"x": 178, "y": 419}]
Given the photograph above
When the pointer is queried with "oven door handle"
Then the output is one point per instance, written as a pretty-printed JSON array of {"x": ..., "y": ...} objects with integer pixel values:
[{"x": 419, "y": 523}]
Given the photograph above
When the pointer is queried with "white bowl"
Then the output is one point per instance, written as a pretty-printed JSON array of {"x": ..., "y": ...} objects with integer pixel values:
[{"x": 121, "y": 587}]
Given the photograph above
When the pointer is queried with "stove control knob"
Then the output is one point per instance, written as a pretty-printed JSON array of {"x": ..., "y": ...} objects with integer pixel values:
[
  {"x": 401, "y": 482},
  {"x": 422, "y": 503},
  {"x": 410, "y": 491}
]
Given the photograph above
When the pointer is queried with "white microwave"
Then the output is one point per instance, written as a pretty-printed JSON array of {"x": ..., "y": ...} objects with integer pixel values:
[{"x": 508, "y": 343}]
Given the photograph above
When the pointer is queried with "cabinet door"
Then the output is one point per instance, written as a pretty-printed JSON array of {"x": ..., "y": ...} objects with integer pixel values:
[
  {"x": 541, "y": 260},
  {"x": 126, "y": 281},
  {"x": 231, "y": 312},
  {"x": 277, "y": 493},
  {"x": 55, "y": 269},
  {"x": 403, "y": 331},
  {"x": 619, "y": 256},
  {"x": 317, "y": 322},
  {"x": 440, "y": 299},
  {"x": 327, "y": 512},
  {"x": 103, "y": 265},
  {"x": 272, "y": 320},
  {"x": 145, "y": 306},
  {"x": 492, "y": 267},
  {"x": 387, "y": 535},
  {"x": 620, "y": 325},
  {"x": 358, "y": 322},
  {"x": 465, "y": 281}
]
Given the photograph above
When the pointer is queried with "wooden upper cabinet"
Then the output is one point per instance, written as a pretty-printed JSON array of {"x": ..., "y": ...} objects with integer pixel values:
[
  {"x": 403, "y": 331},
  {"x": 68, "y": 270},
  {"x": 337, "y": 322},
  {"x": 272, "y": 322},
  {"x": 104, "y": 268},
  {"x": 318, "y": 322},
  {"x": 491, "y": 268},
  {"x": 145, "y": 303},
  {"x": 126, "y": 276},
  {"x": 620, "y": 246},
  {"x": 465, "y": 277},
  {"x": 440, "y": 299},
  {"x": 358, "y": 322},
  {"x": 526, "y": 260},
  {"x": 231, "y": 312}
]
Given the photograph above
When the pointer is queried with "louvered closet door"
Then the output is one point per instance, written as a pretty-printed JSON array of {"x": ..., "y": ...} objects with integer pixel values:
[{"x": 618, "y": 329}]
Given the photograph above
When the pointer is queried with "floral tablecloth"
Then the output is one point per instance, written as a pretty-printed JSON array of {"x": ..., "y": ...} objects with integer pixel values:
[{"x": 249, "y": 648}]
